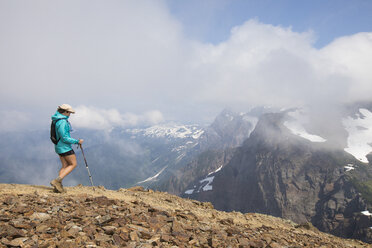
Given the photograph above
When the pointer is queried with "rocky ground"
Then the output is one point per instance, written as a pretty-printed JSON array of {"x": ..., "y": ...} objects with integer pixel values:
[{"x": 35, "y": 216}]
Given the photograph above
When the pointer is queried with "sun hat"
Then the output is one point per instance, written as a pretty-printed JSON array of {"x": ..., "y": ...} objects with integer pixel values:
[{"x": 67, "y": 108}]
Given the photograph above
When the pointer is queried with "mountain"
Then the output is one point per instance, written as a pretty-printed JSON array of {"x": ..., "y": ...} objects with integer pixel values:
[
  {"x": 34, "y": 216},
  {"x": 120, "y": 157},
  {"x": 117, "y": 158},
  {"x": 283, "y": 163},
  {"x": 228, "y": 130},
  {"x": 284, "y": 171},
  {"x": 211, "y": 150}
]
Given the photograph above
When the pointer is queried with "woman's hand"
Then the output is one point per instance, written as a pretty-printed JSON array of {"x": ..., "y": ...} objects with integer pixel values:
[{"x": 81, "y": 141}]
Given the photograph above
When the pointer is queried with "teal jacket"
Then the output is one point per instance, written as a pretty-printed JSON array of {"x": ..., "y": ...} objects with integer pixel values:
[{"x": 63, "y": 134}]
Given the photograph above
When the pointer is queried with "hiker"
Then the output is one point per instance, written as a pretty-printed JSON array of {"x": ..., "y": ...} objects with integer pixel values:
[{"x": 63, "y": 147}]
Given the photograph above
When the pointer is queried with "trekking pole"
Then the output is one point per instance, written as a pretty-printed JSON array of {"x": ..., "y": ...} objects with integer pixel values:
[{"x": 86, "y": 165}]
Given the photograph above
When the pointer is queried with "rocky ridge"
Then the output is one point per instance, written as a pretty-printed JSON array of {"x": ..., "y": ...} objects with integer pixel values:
[
  {"x": 210, "y": 151},
  {"x": 279, "y": 173},
  {"x": 34, "y": 216}
]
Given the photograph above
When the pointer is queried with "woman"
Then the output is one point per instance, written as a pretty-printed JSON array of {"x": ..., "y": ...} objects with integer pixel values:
[{"x": 63, "y": 147}]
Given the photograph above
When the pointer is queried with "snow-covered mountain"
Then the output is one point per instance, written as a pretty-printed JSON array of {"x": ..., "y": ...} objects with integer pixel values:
[
  {"x": 169, "y": 156},
  {"x": 188, "y": 142},
  {"x": 359, "y": 128},
  {"x": 291, "y": 168},
  {"x": 179, "y": 163},
  {"x": 296, "y": 126},
  {"x": 171, "y": 130}
]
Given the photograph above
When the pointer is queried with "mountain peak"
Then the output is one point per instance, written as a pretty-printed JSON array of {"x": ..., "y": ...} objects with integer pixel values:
[
  {"x": 170, "y": 130},
  {"x": 225, "y": 116}
]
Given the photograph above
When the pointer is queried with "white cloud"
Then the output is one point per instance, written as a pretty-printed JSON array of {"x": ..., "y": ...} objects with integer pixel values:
[
  {"x": 259, "y": 64},
  {"x": 273, "y": 65},
  {"x": 14, "y": 120},
  {"x": 351, "y": 57},
  {"x": 153, "y": 117},
  {"x": 106, "y": 119},
  {"x": 133, "y": 55}
]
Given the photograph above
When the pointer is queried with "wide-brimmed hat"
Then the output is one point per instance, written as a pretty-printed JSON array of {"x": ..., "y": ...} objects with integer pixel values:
[{"x": 67, "y": 108}]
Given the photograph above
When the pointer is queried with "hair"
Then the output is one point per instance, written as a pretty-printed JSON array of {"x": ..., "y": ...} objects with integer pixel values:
[{"x": 61, "y": 111}]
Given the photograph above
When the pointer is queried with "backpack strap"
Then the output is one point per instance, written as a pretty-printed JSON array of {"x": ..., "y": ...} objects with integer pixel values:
[{"x": 55, "y": 123}]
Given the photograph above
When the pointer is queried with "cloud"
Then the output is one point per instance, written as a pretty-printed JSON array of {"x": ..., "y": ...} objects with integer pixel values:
[
  {"x": 12, "y": 120},
  {"x": 273, "y": 65},
  {"x": 153, "y": 117},
  {"x": 106, "y": 119},
  {"x": 132, "y": 56},
  {"x": 351, "y": 57},
  {"x": 259, "y": 64},
  {"x": 123, "y": 52}
]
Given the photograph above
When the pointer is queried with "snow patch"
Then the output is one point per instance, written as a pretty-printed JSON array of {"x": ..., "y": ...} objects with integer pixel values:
[
  {"x": 156, "y": 159},
  {"x": 206, "y": 185},
  {"x": 209, "y": 181},
  {"x": 179, "y": 148},
  {"x": 197, "y": 134},
  {"x": 153, "y": 177},
  {"x": 349, "y": 167},
  {"x": 210, "y": 173},
  {"x": 178, "y": 159},
  {"x": 367, "y": 213},
  {"x": 360, "y": 134},
  {"x": 189, "y": 192},
  {"x": 297, "y": 128}
]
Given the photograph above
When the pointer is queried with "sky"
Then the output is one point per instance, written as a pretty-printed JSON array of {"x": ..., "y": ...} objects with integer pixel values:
[
  {"x": 127, "y": 63},
  {"x": 211, "y": 21}
]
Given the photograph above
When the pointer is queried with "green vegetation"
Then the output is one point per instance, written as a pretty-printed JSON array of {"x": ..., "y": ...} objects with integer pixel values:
[{"x": 363, "y": 187}]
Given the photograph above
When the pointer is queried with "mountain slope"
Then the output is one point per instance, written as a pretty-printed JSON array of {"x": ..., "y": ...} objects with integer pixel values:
[
  {"x": 279, "y": 173},
  {"x": 210, "y": 150},
  {"x": 34, "y": 216}
]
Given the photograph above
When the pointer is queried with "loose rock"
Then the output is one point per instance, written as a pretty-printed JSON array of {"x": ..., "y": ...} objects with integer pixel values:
[{"x": 140, "y": 218}]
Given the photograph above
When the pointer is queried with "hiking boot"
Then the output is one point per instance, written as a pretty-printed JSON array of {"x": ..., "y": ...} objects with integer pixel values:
[
  {"x": 63, "y": 189},
  {"x": 56, "y": 191},
  {"x": 57, "y": 186}
]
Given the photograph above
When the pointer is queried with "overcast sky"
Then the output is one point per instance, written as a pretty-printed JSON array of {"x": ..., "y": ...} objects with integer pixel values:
[{"x": 142, "y": 62}]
